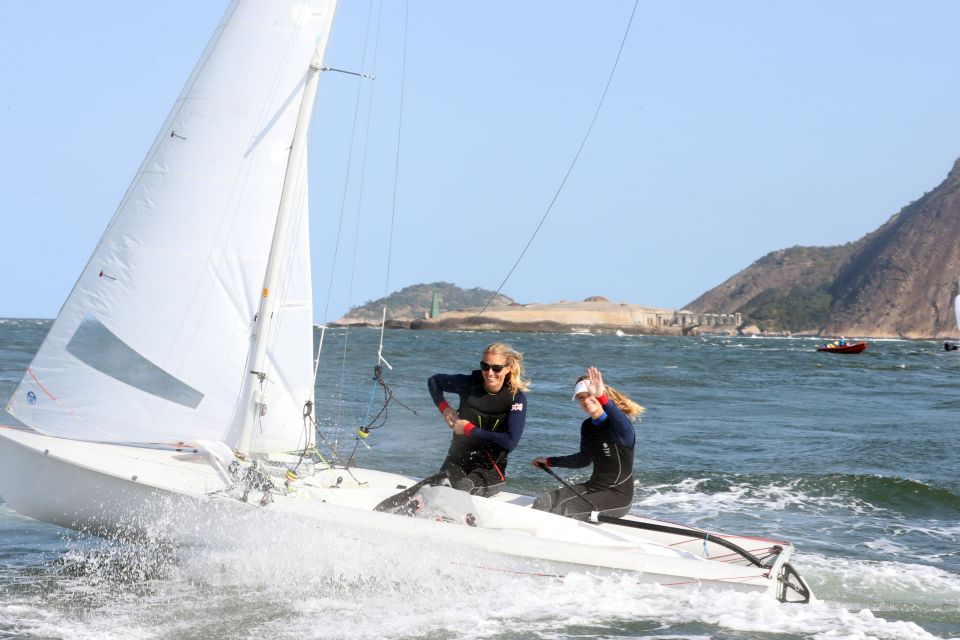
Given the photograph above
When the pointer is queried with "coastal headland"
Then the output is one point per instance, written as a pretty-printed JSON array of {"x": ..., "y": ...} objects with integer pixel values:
[{"x": 593, "y": 315}]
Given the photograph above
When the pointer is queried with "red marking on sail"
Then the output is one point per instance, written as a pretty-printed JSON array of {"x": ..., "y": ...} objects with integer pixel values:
[
  {"x": 40, "y": 384},
  {"x": 50, "y": 395}
]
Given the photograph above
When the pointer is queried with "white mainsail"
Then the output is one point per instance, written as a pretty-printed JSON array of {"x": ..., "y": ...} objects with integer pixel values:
[{"x": 152, "y": 343}]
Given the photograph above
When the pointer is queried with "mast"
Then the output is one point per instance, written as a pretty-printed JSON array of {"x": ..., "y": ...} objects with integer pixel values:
[{"x": 252, "y": 399}]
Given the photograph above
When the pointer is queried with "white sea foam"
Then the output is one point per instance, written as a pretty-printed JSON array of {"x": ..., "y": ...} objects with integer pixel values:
[
  {"x": 894, "y": 584},
  {"x": 534, "y": 608},
  {"x": 581, "y": 601},
  {"x": 325, "y": 583},
  {"x": 688, "y": 496},
  {"x": 887, "y": 546}
]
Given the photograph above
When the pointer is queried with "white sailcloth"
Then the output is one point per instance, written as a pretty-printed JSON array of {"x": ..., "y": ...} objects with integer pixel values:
[
  {"x": 956, "y": 310},
  {"x": 152, "y": 343}
]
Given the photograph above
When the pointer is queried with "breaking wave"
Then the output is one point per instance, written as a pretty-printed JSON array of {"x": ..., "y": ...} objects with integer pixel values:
[{"x": 859, "y": 493}]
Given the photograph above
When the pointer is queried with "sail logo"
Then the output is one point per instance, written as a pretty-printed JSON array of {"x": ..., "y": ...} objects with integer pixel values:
[
  {"x": 606, "y": 450},
  {"x": 517, "y": 406},
  {"x": 31, "y": 397}
]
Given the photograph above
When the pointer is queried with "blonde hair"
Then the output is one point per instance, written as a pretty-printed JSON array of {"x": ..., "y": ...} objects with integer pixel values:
[
  {"x": 630, "y": 408},
  {"x": 515, "y": 361}
]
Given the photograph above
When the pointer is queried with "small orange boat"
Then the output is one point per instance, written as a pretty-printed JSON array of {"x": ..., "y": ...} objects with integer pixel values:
[{"x": 854, "y": 347}]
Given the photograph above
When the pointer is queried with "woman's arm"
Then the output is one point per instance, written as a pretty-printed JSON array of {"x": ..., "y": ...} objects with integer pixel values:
[
  {"x": 509, "y": 436},
  {"x": 437, "y": 384},
  {"x": 573, "y": 461},
  {"x": 620, "y": 426}
]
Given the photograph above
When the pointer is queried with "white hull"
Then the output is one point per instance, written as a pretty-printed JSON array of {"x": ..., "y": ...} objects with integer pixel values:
[{"x": 178, "y": 497}]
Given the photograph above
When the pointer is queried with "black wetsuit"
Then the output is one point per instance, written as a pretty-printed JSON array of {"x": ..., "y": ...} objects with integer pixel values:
[
  {"x": 608, "y": 443},
  {"x": 477, "y": 460}
]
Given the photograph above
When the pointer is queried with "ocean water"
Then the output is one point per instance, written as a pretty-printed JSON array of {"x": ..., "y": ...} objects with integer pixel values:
[{"x": 855, "y": 459}]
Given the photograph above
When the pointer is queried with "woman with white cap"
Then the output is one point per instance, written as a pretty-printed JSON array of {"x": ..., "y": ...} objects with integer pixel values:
[{"x": 607, "y": 439}]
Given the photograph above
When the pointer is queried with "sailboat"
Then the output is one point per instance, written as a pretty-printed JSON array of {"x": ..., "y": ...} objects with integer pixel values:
[
  {"x": 954, "y": 346},
  {"x": 172, "y": 398}
]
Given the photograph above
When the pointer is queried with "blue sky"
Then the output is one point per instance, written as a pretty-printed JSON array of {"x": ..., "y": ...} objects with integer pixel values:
[{"x": 731, "y": 129}]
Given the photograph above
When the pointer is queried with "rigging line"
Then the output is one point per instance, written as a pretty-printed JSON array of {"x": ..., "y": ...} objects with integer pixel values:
[
  {"x": 356, "y": 110},
  {"x": 396, "y": 164},
  {"x": 346, "y": 179},
  {"x": 335, "y": 455},
  {"x": 383, "y": 324},
  {"x": 356, "y": 236},
  {"x": 573, "y": 163},
  {"x": 363, "y": 156},
  {"x": 388, "y": 397},
  {"x": 396, "y": 180},
  {"x": 362, "y": 185}
]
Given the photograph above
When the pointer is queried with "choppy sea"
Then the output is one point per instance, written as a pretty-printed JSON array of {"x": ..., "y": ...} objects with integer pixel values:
[{"x": 853, "y": 458}]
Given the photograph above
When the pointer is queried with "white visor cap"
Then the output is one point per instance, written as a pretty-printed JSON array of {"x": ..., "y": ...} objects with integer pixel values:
[{"x": 582, "y": 387}]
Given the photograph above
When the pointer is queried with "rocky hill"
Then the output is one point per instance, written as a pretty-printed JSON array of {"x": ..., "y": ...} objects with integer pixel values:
[
  {"x": 786, "y": 290},
  {"x": 898, "y": 281},
  {"x": 413, "y": 303}
]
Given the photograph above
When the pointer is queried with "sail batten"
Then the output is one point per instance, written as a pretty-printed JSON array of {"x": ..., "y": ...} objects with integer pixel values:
[{"x": 152, "y": 343}]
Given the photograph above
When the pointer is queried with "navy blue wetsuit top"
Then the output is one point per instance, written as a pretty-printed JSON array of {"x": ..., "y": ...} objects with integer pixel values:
[
  {"x": 460, "y": 384},
  {"x": 608, "y": 443}
]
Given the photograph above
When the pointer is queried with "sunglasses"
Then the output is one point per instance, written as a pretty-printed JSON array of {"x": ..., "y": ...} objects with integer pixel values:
[{"x": 497, "y": 368}]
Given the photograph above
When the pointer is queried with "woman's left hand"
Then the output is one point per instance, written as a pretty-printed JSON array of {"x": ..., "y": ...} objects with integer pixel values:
[
  {"x": 459, "y": 426},
  {"x": 596, "y": 382}
]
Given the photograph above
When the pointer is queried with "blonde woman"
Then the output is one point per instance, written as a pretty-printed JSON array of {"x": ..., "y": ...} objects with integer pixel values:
[
  {"x": 607, "y": 439},
  {"x": 488, "y": 422}
]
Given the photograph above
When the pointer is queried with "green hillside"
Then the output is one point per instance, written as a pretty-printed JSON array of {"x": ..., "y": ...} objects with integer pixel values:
[{"x": 413, "y": 302}]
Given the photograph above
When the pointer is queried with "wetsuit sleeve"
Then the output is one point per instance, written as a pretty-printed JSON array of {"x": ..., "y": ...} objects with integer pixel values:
[
  {"x": 443, "y": 382},
  {"x": 510, "y": 436},
  {"x": 574, "y": 460},
  {"x": 619, "y": 424}
]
